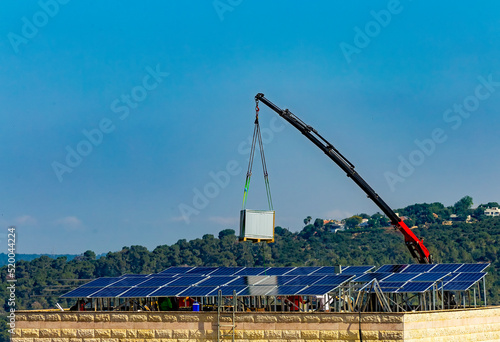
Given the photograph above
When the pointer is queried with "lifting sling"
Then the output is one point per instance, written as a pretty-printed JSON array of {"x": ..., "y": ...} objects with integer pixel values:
[{"x": 257, "y": 137}]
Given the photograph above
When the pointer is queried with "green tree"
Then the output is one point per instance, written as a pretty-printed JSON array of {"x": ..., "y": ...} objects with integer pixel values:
[
  {"x": 89, "y": 255},
  {"x": 318, "y": 223},
  {"x": 462, "y": 207},
  {"x": 226, "y": 232},
  {"x": 307, "y": 220},
  {"x": 353, "y": 221}
]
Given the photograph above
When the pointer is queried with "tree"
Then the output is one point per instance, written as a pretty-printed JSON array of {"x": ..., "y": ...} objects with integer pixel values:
[
  {"x": 378, "y": 220},
  {"x": 318, "y": 223},
  {"x": 307, "y": 220},
  {"x": 89, "y": 255},
  {"x": 353, "y": 221},
  {"x": 462, "y": 207},
  {"x": 226, "y": 232}
]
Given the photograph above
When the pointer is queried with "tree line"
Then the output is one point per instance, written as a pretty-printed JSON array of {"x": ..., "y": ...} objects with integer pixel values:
[{"x": 42, "y": 280}]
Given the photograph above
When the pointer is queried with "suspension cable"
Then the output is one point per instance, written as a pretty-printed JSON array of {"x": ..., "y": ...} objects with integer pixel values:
[{"x": 257, "y": 137}]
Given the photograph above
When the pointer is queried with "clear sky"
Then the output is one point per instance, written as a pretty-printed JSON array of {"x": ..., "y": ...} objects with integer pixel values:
[{"x": 116, "y": 116}]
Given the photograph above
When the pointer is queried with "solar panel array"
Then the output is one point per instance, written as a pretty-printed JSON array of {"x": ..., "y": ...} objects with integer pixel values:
[
  {"x": 207, "y": 281},
  {"x": 281, "y": 281},
  {"x": 417, "y": 278}
]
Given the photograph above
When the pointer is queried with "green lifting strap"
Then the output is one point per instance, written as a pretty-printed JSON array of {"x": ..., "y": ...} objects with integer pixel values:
[{"x": 257, "y": 137}]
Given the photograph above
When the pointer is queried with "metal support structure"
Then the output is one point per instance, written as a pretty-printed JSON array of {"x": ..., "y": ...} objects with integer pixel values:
[
  {"x": 484, "y": 290},
  {"x": 221, "y": 309}
]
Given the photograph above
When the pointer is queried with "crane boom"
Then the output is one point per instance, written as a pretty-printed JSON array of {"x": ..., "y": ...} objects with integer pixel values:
[{"x": 414, "y": 244}]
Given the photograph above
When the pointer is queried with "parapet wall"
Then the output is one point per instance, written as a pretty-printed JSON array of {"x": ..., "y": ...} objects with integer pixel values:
[{"x": 453, "y": 325}]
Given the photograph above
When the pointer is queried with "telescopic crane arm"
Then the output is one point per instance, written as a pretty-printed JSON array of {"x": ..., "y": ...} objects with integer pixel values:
[{"x": 414, "y": 244}]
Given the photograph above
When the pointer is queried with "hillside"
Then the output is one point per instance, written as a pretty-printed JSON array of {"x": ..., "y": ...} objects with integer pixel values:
[
  {"x": 314, "y": 245},
  {"x": 28, "y": 257},
  {"x": 40, "y": 281}
]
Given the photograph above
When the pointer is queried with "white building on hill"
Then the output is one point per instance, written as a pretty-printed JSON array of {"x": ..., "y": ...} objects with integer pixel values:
[{"x": 492, "y": 211}]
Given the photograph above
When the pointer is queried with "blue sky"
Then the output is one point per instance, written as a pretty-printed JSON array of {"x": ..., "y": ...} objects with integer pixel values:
[{"x": 372, "y": 77}]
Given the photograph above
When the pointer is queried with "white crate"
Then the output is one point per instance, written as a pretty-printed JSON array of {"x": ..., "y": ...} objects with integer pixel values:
[{"x": 256, "y": 225}]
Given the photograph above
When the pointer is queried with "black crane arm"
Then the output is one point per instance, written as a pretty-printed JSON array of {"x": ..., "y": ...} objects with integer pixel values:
[{"x": 415, "y": 245}]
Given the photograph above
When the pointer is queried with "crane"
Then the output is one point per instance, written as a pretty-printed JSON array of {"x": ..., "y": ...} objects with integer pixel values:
[{"x": 414, "y": 244}]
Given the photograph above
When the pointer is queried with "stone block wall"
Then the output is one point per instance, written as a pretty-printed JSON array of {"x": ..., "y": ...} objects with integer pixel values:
[
  {"x": 452, "y": 325},
  {"x": 482, "y": 324}
]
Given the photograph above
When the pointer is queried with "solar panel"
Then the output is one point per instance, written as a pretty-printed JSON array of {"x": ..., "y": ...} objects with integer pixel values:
[
  {"x": 197, "y": 291},
  {"x": 109, "y": 292},
  {"x": 326, "y": 270},
  {"x": 129, "y": 282},
  {"x": 200, "y": 271},
  {"x": 186, "y": 280},
  {"x": 168, "y": 291},
  {"x": 222, "y": 271},
  {"x": 277, "y": 270},
  {"x": 285, "y": 290},
  {"x": 303, "y": 270},
  {"x": 334, "y": 279},
  {"x": 138, "y": 292},
  {"x": 216, "y": 281},
  {"x": 357, "y": 269},
  {"x": 401, "y": 277},
  {"x": 305, "y": 280},
  {"x": 100, "y": 282},
  {"x": 418, "y": 268},
  {"x": 391, "y": 268},
  {"x": 176, "y": 270},
  {"x": 251, "y": 271},
  {"x": 135, "y": 275},
  {"x": 420, "y": 286},
  {"x": 227, "y": 290},
  {"x": 390, "y": 286},
  {"x": 259, "y": 290},
  {"x": 81, "y": 292},
  {"x": 156, "y": 282},
  {"x": 276, "y": 280},
  {"x": 430, "y": 276},
  {"x": 446, "y": 268},
  {"x": 245, "y": 291},
  {"x": 469, "y": 277},
  {"x": 370, "y": 276},
  {"x": 472, "y": 268},
  {"x": 458, "y": 285},
  {"x": 253, "y": 280},
  {"x": 316, "y": 290},
  {"x": 239, "y": 281}
]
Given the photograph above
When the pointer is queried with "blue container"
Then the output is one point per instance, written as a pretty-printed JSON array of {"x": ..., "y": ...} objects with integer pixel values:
[{"x": 196, "y": 306}]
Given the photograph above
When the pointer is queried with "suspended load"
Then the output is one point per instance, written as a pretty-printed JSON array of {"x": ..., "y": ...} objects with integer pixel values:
[{"x": 257, "y": 225}]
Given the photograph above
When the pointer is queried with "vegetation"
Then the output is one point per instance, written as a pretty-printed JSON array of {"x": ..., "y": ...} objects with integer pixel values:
[
  {"x": 314, "y": 245},
  {"x": 28, "y": 257}
]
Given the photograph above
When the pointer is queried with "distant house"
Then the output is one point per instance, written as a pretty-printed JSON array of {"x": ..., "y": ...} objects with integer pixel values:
[
  {"x": 364, "y": 223},
  {"x": 492, "y": 211},
  {"x": 335, "y": 226},
  {"x": 455, "y": 219}
]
